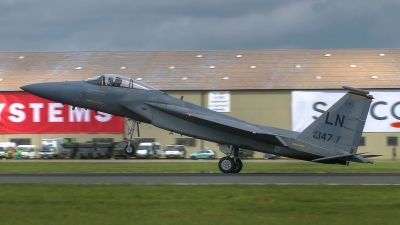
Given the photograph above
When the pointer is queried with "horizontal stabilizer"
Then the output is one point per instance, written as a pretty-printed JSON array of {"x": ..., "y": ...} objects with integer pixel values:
[
  {"x": 371, "y": 156},
  {"x": 336, "y": 157},
  {"x": 351, "y": 157}
]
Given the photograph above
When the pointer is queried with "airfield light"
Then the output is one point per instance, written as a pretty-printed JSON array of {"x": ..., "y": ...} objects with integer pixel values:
[
  {"x": 139, "y": 78},
  {"x": 297, "y": 66},
  {"x": 199, "y": 56},
  {"x": 123, "y": 68},
  {"x": 21, "y": 57},
  {"x": 78, "y": 68},
  {"x": 225, "y": 78},
  {"x": 238, "y": 56},
  {"x": 327, "y": 55},
  {"x": 172, "y": 67},
  {"x": 374, "y": 77},
  {"x": 318, "y": 77},
  {"x": 212, "y": 67},
  {"x": 1, "y": 79},
  {"x": 184, "y": 78},
  {"x": 253, "y": 67},
  {"x": 352, "y": 66},
  {"x": 381, "y": 54}
]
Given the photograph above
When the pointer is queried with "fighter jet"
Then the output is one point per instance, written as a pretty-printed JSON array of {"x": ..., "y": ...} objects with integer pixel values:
[{"x": 333, "y": 138}]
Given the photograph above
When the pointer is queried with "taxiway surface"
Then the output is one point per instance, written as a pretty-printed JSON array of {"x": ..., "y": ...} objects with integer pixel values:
[{"x": 204, "y": 178}]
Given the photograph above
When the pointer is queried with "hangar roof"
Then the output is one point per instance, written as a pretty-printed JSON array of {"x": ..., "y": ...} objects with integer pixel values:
[{"x": 211, "y": 70}]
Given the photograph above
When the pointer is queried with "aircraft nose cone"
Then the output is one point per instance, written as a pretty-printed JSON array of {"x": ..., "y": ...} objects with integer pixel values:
[{"x": 49, "y": 91}]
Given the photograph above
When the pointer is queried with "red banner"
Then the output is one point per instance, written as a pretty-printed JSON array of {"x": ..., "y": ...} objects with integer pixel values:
[{"x": 24, "y": 113}]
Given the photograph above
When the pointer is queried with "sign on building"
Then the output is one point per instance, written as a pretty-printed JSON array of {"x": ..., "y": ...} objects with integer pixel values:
[
  {"x": 219, "y": 101},
  {"x": 22, "y": 113},
  {"x": 383, "y": 116}
]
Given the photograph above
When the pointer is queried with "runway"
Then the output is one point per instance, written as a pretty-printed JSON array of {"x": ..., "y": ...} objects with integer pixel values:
[
  {"x": 205, "y": 178},
  {"x": 142, "y": 161}
]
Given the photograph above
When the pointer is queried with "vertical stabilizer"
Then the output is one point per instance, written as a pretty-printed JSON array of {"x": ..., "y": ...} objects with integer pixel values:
[{"x": 341, "y": 126}]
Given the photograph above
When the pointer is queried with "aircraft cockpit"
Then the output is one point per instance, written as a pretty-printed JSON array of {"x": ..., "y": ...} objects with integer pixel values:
[{"x": 118, "y": 81}]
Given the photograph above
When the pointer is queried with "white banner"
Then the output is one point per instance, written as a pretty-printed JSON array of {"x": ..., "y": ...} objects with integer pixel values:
[
  {"x": 219, "y": 101},
  {"x": 384, "y": 114}
]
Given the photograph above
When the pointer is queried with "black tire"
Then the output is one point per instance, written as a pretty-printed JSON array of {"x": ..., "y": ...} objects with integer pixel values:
[
  {"x": 238, "y": 166},
  {"x": 129, "y": 151},
  {"x": 225, "y": 164},
  {"x": 193, "y": 157}
]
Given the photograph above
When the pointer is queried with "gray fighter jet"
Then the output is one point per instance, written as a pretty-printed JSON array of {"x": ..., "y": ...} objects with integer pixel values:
[{"x": 333, "y": 138}]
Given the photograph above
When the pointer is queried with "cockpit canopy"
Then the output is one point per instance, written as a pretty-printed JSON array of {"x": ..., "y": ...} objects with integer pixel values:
[{"x": 116, "y": 80}]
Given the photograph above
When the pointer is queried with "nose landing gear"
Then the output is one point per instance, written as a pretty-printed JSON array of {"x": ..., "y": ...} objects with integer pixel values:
[
  {"x": 228, "y": 164},
  {"x": 130, "y": 149}
]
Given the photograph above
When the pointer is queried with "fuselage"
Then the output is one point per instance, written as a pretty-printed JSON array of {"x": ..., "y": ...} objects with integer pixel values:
[
  {"x": 164, "y": 111},
  {"x": 137, "y": 105}
]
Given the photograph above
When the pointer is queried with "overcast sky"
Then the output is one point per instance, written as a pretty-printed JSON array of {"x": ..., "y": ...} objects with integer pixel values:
[{"x": 129, "y": 25}]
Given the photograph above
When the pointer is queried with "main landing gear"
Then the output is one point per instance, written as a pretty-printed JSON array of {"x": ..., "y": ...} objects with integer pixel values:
[
  {"x": 228, "y": 164},
  {"x": 130, "y": 149}
]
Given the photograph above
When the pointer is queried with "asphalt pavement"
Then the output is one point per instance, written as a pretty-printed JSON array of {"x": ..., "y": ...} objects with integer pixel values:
[
  {"x": 205, "y": 178},
  {"x": 144, "y": 161}
]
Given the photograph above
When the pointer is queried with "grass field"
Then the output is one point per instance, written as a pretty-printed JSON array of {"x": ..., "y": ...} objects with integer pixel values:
[
  {"x": 202, "y": 204},
  {"x": 192, "y": 167},
  {"x": 213, "y": 204}
]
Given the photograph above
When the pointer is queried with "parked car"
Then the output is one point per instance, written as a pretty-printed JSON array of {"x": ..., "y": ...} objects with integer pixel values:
[
  {"x": 5, "y": 148},
  {"x": 55, "y": 146},
  {"x": 175, "y": 151},
  {"x": 3, "y": 152},
  {"x": 47, "y": 152},
  {"x": 204, "y": 154},
  {"x": 271, "y": 156},
  {"x": 149, "y": 150},
  {"x": 28, "y": 151}
]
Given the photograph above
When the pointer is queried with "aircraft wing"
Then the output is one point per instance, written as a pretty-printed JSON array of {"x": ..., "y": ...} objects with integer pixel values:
[{"x": 222, "y": 123}]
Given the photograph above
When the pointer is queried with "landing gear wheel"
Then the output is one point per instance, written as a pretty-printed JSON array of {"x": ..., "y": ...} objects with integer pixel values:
[
  {"x": 238, "y": 166},
  {"x": 129, "y": 150},
  {"x": 226, "y": 165}
]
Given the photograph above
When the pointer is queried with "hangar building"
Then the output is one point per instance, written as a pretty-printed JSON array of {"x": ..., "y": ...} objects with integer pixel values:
[{"x": 258, "y": 86}]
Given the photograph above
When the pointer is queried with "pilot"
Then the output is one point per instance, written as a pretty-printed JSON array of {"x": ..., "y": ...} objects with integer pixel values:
[
  {"x": 118, "y": 82},
  {"x": 110, "y": 82}
]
